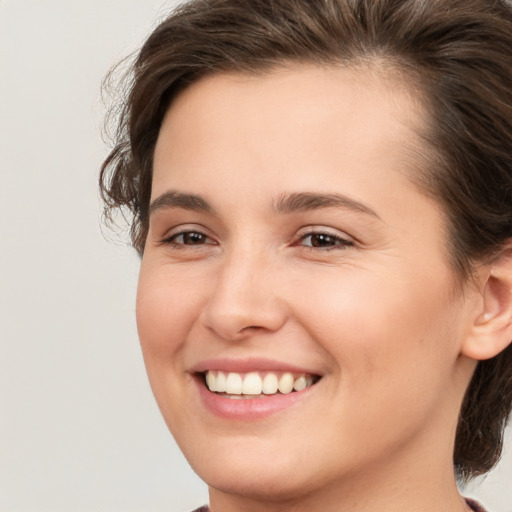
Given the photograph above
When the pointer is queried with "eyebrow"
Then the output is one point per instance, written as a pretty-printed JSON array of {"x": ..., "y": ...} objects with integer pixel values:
[
  {"x": 175, "y": 199},
  {"x": 286, "y": 203},
  {"x": 307, "y": 201}
]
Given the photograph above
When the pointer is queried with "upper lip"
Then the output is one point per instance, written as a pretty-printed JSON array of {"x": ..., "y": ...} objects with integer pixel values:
[{"x": 249, "y": 365}]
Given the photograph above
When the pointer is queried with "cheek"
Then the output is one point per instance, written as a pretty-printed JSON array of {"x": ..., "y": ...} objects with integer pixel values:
[
  {"x": 385, "y": 332},
  {"x": 393, "y": 349},
  {"x": 166, "y": 309}
]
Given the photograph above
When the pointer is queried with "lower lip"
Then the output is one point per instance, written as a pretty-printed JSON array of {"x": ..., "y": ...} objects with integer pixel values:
[{"x": 251, "y": 408}]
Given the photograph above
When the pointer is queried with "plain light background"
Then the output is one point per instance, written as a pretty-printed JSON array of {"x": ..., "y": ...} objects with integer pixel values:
[{"x": 79, "y": 430}]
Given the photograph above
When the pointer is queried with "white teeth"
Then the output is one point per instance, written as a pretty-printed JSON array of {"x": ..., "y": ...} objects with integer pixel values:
[
  {"x": 300, "y": 384},
  {"x": 252, "y": 385},
  {"x": 234, "y": 384},
  {"x": 269, "y": 386},
  {"x": 211, "y": 381},
  {"x": 286, "y": 383},
  {"x": 220, "y": 382}
]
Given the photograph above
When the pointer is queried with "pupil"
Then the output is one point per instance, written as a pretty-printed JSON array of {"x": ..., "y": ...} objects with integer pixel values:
[
  {"x": 193, "y": 238},
  {"x": 321, "y": 240}
]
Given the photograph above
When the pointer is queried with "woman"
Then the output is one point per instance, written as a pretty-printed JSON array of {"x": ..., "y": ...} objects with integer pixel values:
[{"x": 321, "y": 195}]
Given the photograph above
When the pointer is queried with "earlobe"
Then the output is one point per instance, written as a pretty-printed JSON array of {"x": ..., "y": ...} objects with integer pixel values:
[{"x": 491, "y": 329}]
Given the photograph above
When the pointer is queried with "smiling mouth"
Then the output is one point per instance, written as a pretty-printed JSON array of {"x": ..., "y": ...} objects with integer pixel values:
[{"x": 256, "y": 384}]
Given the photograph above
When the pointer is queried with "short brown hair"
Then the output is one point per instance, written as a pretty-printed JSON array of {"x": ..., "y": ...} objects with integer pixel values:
[{"x": 461, "y": 53}]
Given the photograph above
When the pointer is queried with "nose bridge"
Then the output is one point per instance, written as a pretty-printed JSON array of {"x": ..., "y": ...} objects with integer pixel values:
[{"x": 244, "y": 297}]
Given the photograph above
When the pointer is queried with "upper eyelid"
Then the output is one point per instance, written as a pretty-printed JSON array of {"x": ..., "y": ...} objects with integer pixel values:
[
  {"x": 324, "y": 230},
  {"x": 187, "y": 228}
]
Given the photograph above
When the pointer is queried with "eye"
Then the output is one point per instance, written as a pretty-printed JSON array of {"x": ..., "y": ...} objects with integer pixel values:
[
  {"x": 189, "y": 238},
  {"x": 323, "y": 241}
]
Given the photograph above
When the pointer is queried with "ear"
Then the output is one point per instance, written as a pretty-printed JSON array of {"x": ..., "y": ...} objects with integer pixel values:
[{"x": 491, "y": 329}]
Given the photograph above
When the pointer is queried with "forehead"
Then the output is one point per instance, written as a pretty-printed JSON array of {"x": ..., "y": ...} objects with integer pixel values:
[{"x": 369, "y": 106}]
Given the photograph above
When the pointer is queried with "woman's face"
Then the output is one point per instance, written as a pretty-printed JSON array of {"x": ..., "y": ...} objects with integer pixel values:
[{"x": 288, "y": 243}]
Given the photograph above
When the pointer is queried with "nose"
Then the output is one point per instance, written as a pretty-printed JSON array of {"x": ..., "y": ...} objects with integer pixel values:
[{"x": 245, "y": 298}]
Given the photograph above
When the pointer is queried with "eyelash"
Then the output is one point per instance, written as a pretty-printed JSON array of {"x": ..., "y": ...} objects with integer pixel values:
[
  {"x": 172, "y": 240},
  {"x": 332, "y": 242}
]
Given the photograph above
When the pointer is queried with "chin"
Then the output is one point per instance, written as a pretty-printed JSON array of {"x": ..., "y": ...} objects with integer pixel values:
[
  {"x": 258, "y": 483},
  {"x": 258, "y": 469},
  {"x": 248, "y": 465}
]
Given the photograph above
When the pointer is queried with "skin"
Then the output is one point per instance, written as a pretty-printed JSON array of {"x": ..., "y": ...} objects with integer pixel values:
[{"x": 377, "y": 310}]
